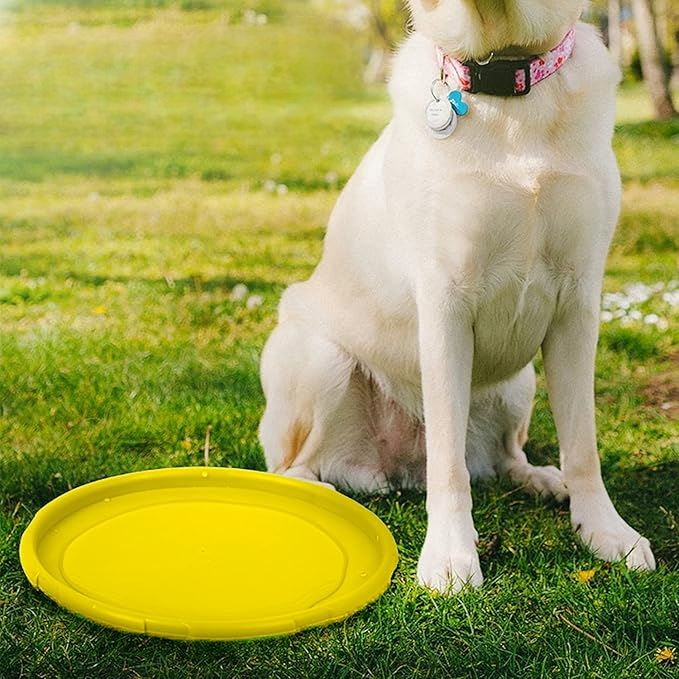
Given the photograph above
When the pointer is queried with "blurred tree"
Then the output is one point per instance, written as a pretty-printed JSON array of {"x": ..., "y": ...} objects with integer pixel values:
[
  {"x": 388, "y": 25},
  {"x": 614, "y": 30},
  {"x": 672, "y": 36},
  {"x": 384, "y": 22},
  {"x": 651, "y": 53}
]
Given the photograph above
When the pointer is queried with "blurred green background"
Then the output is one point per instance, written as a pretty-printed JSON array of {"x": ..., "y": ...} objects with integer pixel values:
[{"x": 157, "y": 156}]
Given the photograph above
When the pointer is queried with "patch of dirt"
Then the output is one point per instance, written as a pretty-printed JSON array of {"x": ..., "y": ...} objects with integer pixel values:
[{"x": 661, "y": 392}]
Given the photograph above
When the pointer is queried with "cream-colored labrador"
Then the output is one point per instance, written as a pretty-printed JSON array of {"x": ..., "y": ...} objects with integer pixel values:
[{"x": 449, "y": 260}]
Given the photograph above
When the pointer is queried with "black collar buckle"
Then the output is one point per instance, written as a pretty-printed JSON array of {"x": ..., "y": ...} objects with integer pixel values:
[{"x": 498, "y": 77}]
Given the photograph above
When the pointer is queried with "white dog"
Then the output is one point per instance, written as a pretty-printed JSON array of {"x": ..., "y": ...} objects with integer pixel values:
[{"x": 453, "y": 254}]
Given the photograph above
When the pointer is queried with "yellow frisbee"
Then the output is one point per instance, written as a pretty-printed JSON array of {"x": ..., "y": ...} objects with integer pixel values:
[{"x": 208, "y": 553}]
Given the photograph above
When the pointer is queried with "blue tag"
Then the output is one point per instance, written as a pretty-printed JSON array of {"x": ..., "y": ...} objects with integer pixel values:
[{"x": 455, "y": 99}]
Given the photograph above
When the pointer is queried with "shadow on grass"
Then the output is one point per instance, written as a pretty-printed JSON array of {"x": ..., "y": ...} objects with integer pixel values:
[
  {"x": 649, "y": 129},
  {"x": 132, "y": 409},
  {"x": 515, "y": 526},
  {"x": 49, "y": 265},
  {"x": 529, "y": 556},
  {"x": 182, "y": 285},
  {"x": 44, "y": 265},
  {"x": 647, "y": 498}
]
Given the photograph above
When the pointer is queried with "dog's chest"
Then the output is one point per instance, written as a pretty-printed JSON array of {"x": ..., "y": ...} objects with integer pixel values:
[
  {"x": 511, "y": 314},
  {"x": 514, "y": 248}
]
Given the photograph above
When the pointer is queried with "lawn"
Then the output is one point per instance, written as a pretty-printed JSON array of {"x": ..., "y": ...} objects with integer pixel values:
[{"x": 155, "y": 154}]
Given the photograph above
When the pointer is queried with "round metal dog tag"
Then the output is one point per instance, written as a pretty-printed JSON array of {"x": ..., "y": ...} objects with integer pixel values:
[
  {"x": 441, "y": 118},
  {"x": 439, "y": 113}
]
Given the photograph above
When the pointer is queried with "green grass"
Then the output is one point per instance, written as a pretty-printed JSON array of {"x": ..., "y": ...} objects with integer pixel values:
[{"x": 136, "y": 139}]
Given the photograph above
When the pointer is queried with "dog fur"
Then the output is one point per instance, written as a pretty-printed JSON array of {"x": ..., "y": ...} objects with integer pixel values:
[{"x": 447, "y": 264}]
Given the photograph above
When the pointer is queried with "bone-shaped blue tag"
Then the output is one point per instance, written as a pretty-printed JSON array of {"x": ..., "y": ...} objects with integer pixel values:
[{"x": 455, "y": 99}]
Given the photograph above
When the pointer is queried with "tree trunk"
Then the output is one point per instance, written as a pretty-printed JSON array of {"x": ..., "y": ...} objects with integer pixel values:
[
  {"x": 614, "y": 33},
  {"x": 376, "y": 70},
  {"x": 652, "y": 64},
  {"x": 674, "y": 44}
]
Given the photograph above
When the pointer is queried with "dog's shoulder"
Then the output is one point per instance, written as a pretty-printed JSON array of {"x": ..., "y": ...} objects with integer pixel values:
[{"x": 591, "y": 65}]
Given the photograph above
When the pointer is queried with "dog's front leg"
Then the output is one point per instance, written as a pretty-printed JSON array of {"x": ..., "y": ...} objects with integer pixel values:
[
  {"x": 569, "y": 351},
  {"x": 449, "y": 559}
]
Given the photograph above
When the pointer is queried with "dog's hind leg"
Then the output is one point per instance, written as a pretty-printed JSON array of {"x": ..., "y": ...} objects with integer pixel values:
[
  {"x": 315, "y": 425},
  {"x": 517, "y": 401}
]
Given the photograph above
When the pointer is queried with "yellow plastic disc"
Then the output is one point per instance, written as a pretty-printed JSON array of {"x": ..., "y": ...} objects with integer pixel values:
[{"x": 208, "y": 553}]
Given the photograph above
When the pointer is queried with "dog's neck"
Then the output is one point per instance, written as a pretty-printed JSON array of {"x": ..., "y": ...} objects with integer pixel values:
[
  {"x": 508, "y": 51},
  {"x": 513, "y": 29},
  {"x": 506, "y": 77},
  {"x": 529, "y": 50},
  {"x": 472, "y": 29}
]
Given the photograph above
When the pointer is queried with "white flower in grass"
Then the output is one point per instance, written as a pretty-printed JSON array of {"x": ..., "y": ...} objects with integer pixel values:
[
  {"x": 269, "y": 185},
  {"x": 239, "y": 292},
  {"x": 624, "y": 306},
  {"x": 637, "y": 293},
  {"x": 671, "y": 297},
  {"x": 253, "y": 18},
  {"x": 254, "y": 301},
  {"x": 281, "y": 189},
  {"x": 615, "y": 299}
]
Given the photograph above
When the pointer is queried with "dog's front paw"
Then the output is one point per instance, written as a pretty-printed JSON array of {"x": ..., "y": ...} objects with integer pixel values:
[
  {"x": 447, "y": 568},
  {"x": 448, "y": 573},
  {"x": 620, "y": 542},
  {"x": 609, "y": 537}
]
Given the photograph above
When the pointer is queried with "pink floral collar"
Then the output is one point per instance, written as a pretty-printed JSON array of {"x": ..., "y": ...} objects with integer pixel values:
[{"x": 506, "y": 77}]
